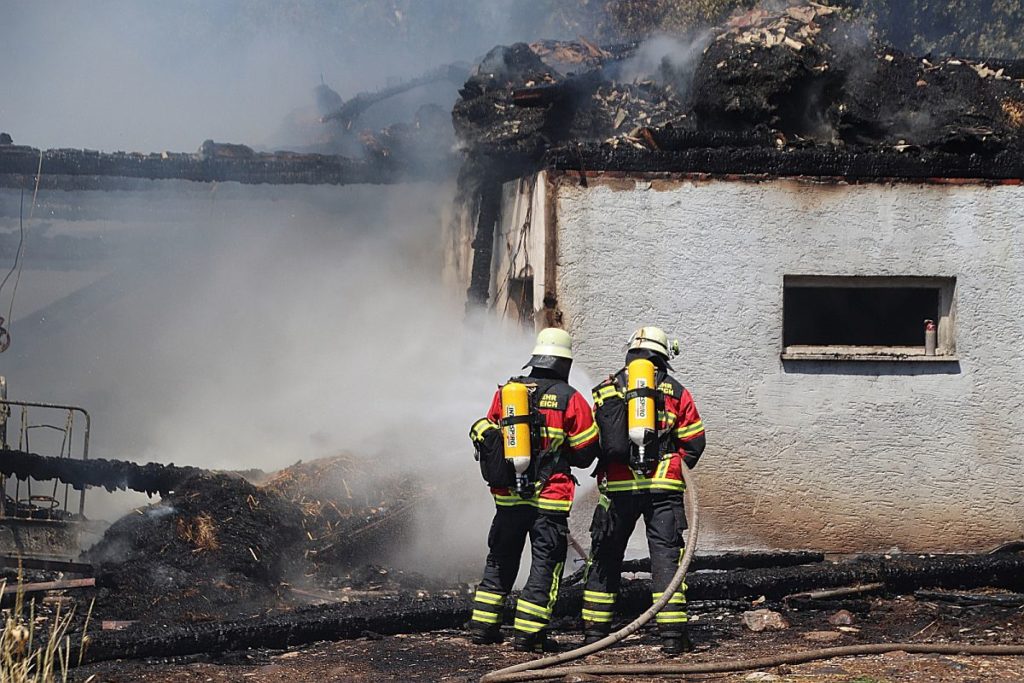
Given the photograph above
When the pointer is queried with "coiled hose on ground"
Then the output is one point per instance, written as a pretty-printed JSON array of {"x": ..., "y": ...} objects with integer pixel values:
[{"x": 546, "y": 668}]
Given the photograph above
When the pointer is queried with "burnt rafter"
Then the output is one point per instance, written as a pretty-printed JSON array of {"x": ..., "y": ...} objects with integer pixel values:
[{"x": 88, "y": 169}]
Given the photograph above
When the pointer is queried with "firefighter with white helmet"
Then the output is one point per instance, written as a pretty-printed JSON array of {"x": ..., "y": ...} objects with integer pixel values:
[
  {"x": 536, "y": 429},
  {"x": 649, "y": 430}
]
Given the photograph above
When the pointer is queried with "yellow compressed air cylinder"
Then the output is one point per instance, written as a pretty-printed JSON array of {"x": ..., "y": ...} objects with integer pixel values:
[
  {"x": 641, "y": 411},
  {"x": 515, "y": 402}
]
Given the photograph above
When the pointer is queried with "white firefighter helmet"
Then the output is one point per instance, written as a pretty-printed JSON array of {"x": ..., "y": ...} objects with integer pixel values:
[
  {"x": 553, "y": 342},
  {"x": 654, "y": 339}
]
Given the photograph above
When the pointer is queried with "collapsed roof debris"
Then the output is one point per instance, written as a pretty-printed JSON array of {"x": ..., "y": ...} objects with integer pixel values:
[{"x": 804, "y": 77}]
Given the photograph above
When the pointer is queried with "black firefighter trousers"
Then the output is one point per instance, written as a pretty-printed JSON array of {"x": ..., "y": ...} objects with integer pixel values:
[
  {"x": 614, "y": 520},
  {"x": 548, "y": 539}
]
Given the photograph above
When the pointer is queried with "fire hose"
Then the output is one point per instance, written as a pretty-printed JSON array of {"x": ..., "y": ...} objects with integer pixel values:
[{"x": 546, "y": 668}]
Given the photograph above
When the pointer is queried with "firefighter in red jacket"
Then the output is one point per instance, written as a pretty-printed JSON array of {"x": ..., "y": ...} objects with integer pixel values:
[
  {"x": 651, "y": 488},
  {"x": 537, "y": 502}
]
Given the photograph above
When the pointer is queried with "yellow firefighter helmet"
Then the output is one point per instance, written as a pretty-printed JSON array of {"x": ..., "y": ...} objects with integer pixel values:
[
  {"x": 654, "y": 339},
  {"x": 553, "y": 342}
]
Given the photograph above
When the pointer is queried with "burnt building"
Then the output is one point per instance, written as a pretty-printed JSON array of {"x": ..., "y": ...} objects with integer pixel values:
[{"x": 846, "y": 286}]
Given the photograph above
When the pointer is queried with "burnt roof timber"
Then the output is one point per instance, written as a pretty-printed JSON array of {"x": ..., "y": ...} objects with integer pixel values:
[
  {"x": 87, "y": 169},
  {"x": 822, "y": 162}
]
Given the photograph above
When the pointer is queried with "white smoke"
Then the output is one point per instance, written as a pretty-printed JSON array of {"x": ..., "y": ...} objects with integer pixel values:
[{"x": 668, "y": 60}]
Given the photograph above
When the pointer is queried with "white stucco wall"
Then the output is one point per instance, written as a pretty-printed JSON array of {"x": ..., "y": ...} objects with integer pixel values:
[{"x": 841, "y": 457}]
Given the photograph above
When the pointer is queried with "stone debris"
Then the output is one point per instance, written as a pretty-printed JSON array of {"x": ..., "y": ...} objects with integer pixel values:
[
  {"x": 764, "y": 619},
  {"x": 841, "y": 618}
]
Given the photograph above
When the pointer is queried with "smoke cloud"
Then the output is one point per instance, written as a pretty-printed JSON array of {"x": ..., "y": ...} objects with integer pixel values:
[
  {"x": 144, "y": 75},
  {"x": 249, "y": 327}
]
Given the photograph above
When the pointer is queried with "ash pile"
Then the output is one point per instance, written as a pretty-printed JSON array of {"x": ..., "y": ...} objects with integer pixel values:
[
  {"x": 220, "y": 545},
  {"x": 803, "y": 76}
]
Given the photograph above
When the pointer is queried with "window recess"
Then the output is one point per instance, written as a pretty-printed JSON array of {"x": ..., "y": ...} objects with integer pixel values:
[{"x": 868, "y": 318}]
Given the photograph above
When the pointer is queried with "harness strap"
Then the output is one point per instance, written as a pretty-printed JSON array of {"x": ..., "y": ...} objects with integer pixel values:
[
  {"x": 517, "y": 420},
  {"x": 642, "y": 392}
]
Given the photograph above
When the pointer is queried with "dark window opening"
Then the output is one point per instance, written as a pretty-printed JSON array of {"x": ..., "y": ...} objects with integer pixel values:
[{"x": 858, "y": 316}]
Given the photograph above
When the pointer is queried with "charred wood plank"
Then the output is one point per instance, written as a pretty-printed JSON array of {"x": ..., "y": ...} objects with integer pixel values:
[{"x": 48, "y": 586}]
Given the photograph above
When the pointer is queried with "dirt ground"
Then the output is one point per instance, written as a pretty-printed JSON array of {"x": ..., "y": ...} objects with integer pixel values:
[{"x": 719, "y": 634}]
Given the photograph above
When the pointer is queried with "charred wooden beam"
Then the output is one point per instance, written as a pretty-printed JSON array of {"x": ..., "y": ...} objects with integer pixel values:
[
  {"x": 70, "y": 169},
  {"x": 406, "y": 614},
  {"x": 724, "y": 561},
  {"x": 353, "y": 108},
  {"x": 488, "y": 216},
  {"x": 110, "y": 474},
  {"x": 972, "y": 599},
  {"x": 816, "y": 162},
  {"x": 48, "y": 586}
]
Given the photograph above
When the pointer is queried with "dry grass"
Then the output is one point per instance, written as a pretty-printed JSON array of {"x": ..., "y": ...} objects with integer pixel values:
[
  {"x": 199, "y": 532},
  {"x": 1014, "y": 110},
  {"x": 23, "y": 659}
]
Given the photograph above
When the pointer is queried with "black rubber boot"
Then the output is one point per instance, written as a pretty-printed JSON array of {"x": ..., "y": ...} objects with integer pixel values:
[
  {"x": 526, "y": 642},
  {"x": 532, "y": 642},
  {"x": 592, "y": 635},
  {"x": 676, "y": 643},
  {"x": 490, "y": 635}
]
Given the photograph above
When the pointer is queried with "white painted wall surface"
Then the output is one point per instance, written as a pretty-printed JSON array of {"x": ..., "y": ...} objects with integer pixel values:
[{"x": 840, "y": 457}]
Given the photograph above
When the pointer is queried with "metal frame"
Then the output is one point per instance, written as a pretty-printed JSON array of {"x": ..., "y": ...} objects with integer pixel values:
[{"x": 68, "y": 429}]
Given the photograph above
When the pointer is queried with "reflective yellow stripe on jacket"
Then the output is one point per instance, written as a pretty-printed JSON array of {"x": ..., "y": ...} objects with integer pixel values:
[
  {"x": 659, "y": 481},
  {"x": 549, "y": 504}
]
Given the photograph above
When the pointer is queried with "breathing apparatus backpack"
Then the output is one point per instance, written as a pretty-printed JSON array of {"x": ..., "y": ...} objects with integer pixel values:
[
  {"x": 509, "y": 453},
  {"x": 620, "y": 411}
]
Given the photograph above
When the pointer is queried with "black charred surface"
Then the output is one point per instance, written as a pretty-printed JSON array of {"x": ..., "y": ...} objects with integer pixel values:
[
  {"x": 483, "y": 244},
  {"x": 387, "y": 616},
  {"x": 86, "y": 169},
  {"x": 814, "y": 162},
  {"x": 110, "y": 474},
  {"x": 801, "y": 91},
  {"x": 723, "y": 562},
  {"x": 217, "y": 545},
  {"x": 405, "y": 614}
]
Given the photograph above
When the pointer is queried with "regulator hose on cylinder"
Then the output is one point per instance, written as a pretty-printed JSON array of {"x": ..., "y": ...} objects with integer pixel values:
[{"x": 512, "y": 673}]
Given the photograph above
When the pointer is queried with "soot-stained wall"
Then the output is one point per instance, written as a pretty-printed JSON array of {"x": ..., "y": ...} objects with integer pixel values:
[{"x": 839, "y": 456}]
